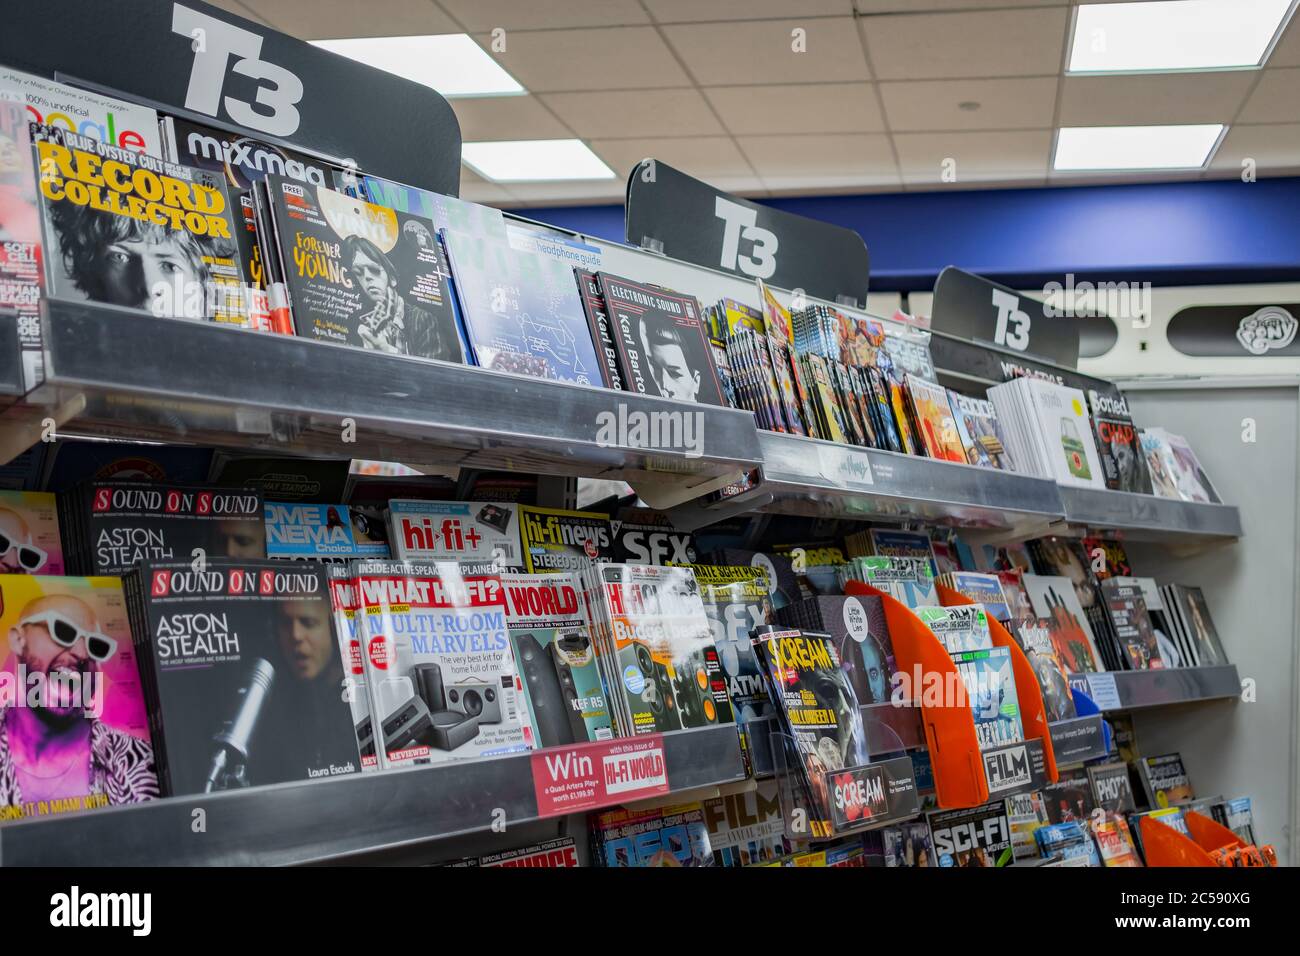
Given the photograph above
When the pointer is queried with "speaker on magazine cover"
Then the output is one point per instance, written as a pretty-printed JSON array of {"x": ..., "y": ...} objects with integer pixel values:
[
  {"x": 428, "y": 680},
  {"x": 545, "y": 684},
  {"x": 691, "y": 689},
  {"x": 574, "y": 645},
  {"x": 475, "y": 699}
]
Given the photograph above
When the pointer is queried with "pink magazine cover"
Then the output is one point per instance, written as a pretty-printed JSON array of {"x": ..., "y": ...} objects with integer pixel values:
[
  {"x": 29, "y": 533},
  {"x": 70, "y": 693}
]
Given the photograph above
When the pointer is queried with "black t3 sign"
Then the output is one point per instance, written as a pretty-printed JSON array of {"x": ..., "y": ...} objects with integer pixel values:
[
  {"x": 974, "y": 308},
  {"x": 694, "y": 222},
  {"x": 193, "y": 58}
]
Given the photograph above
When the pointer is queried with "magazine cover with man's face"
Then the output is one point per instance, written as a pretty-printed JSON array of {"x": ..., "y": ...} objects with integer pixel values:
[{"x": 74, "y": 733}]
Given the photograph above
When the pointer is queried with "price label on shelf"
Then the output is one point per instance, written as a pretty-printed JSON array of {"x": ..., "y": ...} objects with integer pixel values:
[
  {"x": 1102, "y": 689},
  {"x": 844, "y": 467},
  {"x": 592, "y": 775}
]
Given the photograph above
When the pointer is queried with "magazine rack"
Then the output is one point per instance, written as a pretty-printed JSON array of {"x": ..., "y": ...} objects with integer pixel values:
[
  {"x": 1162, "y": 845},
  {"x": 1210, "y": 835},
  {"x": 834, "y": 803},
  {"x": 1033, "y": 715},
  {"x": 959, "y": 778}
]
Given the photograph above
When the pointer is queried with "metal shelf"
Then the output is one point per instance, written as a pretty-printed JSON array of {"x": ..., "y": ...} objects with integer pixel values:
[
  {"x": 1150, "y": 517},
  {"x": 324, "y": 820},
  {"x": 1132, "y": 690},
  {"x": 121, "y": 373},
  {"x": 808, "y": 476}
]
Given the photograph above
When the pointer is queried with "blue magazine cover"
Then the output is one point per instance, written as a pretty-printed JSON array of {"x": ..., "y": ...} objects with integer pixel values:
[
  {"x": 522, "y": 311},
  {"x": 991, "y": 690},
  {"x": 318, "y": 532}
]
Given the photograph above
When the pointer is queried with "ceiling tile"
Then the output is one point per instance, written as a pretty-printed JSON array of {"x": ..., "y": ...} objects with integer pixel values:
[
  {"x": 1153, "y": 98},
  {"x": 715, "y": 159},
  {"x": 1275, "y": 100},
  {"x": 636, "y": 113},
  {"x": 696, "y": 11},
  {"x": 801, "y": 108},
  {"x": 1271, "y": 147},
  {"x": 763, "y": 51},
  {"x": 1287, "y": 51},
  {"x": 984, "y": 44},
  {"x": 908, "y": 6},
  {"x": 596, "y": 59},
  {"x": 475, "y": 188},
  {"x": 333, "y": 19},
  {"x": 475, "y": 15},
  {"x": 576, "y": 191},
  {"x": 977, "y": 156},
  {"x": 506, "y": 117},
  {"x": 849, "y": 160},
  {"x": 1026, "y": 103}
]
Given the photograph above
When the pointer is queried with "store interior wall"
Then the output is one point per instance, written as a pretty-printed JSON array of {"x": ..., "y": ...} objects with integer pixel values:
[
  {"x": 1198, "y": 233},
  {"x": 1238, "y": 748}
]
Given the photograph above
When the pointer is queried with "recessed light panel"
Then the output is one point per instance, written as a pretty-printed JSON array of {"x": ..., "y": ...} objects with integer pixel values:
[
  {"x": 1175, "y": 35},
  {"x": 1135, "y": 147},
  {"x": 450, "y": 63},
  {"x": 534, "y": 161}
]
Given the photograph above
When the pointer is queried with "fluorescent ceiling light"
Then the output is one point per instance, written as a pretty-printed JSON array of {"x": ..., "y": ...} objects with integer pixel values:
[
  {"x": 1175, "y": 35},
  {"x": 451, "y": 63},
  {"x": 1135, "y": 147},
  {"x": 534, "y": 160}
]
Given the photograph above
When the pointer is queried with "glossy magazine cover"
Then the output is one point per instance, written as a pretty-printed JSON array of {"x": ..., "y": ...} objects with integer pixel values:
[
  {"x": 522, "y": 311},
  {"x": 172, "y": 229},
  {"x": 818, "y": 708},
  {"x": 438, "y": 661},
  {"x": 564, "y": 700},
  {"x": 243, "y": 674},
  {"x": 29, "y": 533},
  {"x": 322, "y": 532},
  {"x": 363, "y": 274},
  {"x": 68, "y": 651},
  {"x": 658, "y": 651},
  {"x": 737, "y": 600}
]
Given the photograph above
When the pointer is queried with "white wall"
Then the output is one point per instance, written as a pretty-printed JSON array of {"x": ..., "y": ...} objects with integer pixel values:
[{"x": 1237, "y": 748}]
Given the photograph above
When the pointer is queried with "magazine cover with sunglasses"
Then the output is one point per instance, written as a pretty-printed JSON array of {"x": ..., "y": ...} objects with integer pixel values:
[
  {"x": 74, "y": 734},
  {"x": 29, "y": 533}
]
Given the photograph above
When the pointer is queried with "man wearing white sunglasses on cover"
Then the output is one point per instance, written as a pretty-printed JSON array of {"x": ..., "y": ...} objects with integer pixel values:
[
  {"x": 58, "y": 749},
  {"x": 17, "y": 553}
]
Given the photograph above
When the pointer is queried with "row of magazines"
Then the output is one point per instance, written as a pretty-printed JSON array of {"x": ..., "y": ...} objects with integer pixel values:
[
  {"x": 160, "y": 214},
  {"x": 477, "y": 628}
]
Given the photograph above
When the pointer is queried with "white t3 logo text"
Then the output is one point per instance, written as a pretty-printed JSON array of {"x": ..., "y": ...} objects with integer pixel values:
[
  {"x": 215, "y": 42},
  {"x": 740, "y": 224}
]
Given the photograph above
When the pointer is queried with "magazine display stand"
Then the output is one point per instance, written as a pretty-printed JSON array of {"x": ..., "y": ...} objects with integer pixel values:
[
  {"x": 856, "y": 798},
  {"x": 959, "y": 779},
  {"x": 323, "y": 820},
  {"x": 1211, "y": 835},
  {"x": 1162, "y": 845},
  {"x": 1033, "y": 715},
  {"x": 112, "y": 372}
]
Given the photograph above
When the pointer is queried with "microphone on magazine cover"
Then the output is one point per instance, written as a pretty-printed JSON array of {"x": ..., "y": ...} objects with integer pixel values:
[{"x": 229, "y": 769}]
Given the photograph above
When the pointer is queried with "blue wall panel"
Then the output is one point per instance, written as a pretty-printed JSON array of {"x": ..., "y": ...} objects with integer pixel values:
[{"x": 1163, "y": 233}]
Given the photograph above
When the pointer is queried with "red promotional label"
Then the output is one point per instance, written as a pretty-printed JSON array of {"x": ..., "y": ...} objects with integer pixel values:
[{"x": 592, "y": 775}]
